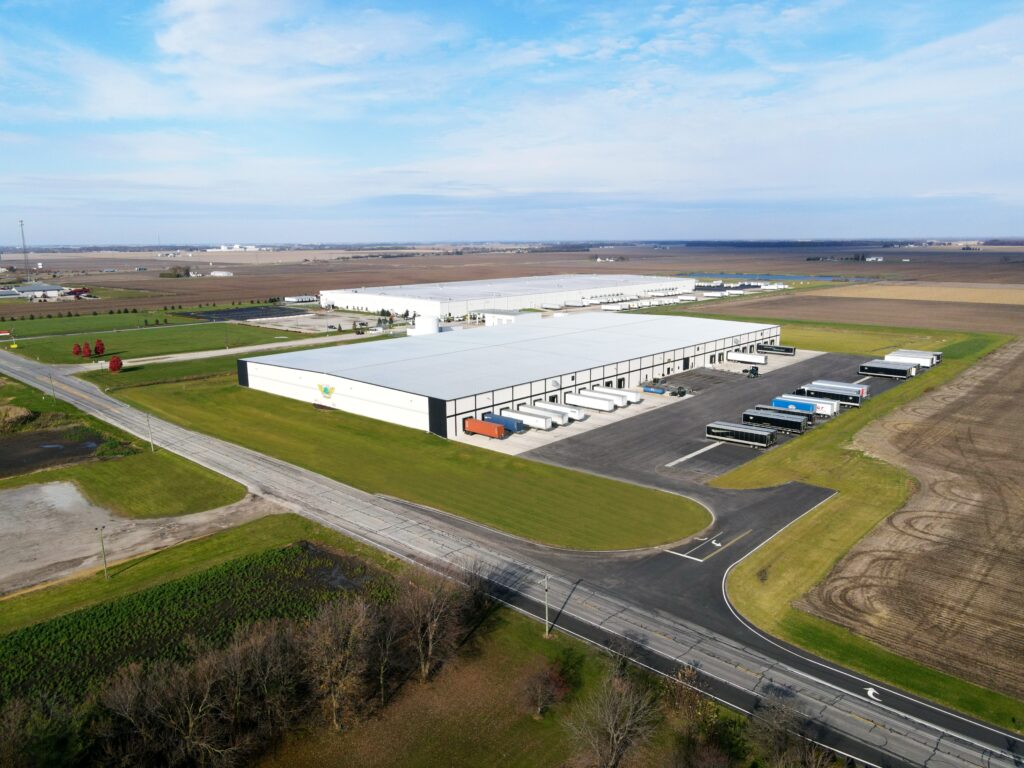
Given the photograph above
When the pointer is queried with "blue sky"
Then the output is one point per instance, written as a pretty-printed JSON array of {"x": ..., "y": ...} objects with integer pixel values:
[{"x": 315, "y": 121}]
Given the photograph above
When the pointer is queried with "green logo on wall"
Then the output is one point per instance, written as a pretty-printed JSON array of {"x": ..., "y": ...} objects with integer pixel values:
[{"x": 325, "y": 390}]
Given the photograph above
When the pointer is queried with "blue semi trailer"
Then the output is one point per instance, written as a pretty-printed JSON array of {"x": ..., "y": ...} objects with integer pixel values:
[
  {"x": 510, "y": 424},
  {"x": 793, "y": 405}
]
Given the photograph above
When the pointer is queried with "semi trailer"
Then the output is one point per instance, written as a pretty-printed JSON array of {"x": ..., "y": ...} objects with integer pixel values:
[
  {"x": 589, "y": 401},
  {"x": 480, "y": 427},
  {"x": 744, "y": 434},
  {"x": 841, "y": 395},
  {"x": 536, "y": 422},
  {"x": 934, "y": 357},
  {"x": 784, "y": 422},
  {"x": 630, "y": 395},
  {"x": 776, "y": 349},
  {"x": 861, "y": 389},
  {"x": 511, "y": 425},
  {"x": 572, "y": 413},
  {"x": 533, "y": 410},
  {"x": 822, "y": 406},
  {"x": 616, "y": 398},
  {"x": 891, "y": 369},
  {"x": 798, "y": 406},
  {"x": 808, "y": 415},
  {"x": 920, "y": 359},
  {"x": 747, "y": 357}
]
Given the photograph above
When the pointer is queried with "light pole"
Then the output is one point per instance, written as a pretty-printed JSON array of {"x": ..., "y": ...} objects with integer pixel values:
[
  {"x": 149, "y": 425},
  {"x": 547, "y": 624},
  {"x": 103, "y": 549},
  {"x": 53, "y": 390}
]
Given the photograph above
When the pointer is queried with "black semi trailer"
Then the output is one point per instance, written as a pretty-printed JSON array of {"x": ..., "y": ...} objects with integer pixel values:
[
  {"x": 784, "y": 422},
  {"x": 887, "y": 369},
  {"x": 776, "y": 349},
  {"x": 744, "y": 434},
  {"x": 844, "y": 396}
]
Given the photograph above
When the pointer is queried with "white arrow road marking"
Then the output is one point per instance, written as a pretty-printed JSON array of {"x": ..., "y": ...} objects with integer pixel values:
[
  {"x": 715, "y": 543},
  {"x": 873, "y": 694}
]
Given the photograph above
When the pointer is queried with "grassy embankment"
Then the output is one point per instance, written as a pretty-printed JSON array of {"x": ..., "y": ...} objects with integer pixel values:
[
  {"x": 137, "y": 484},
  {"x": 162, "y": 340},
  {"x": 764, "y": 586},
  {"x": 529, "y": 499}
]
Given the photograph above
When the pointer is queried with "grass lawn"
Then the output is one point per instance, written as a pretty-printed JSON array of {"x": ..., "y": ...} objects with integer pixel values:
[
  {"x": 86, "y": 322},
  {"x": 474, "y": 713},
  {"x": 187, "y": 370},
  {"x": 540, "y": 502},
  {"x": 161, "y": 340},
  {"x": 173, "y": 563},
  {"x": 764, "y": 586},
  {"x": 143, "y": 485}
]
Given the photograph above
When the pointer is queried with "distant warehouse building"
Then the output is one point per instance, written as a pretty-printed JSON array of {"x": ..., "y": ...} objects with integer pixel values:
[
  {"x": 458, "y": 299},
  {"x": 434, "y": 382}
]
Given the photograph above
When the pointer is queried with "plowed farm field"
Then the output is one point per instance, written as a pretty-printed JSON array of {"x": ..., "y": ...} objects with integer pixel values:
[{"x": 940, "y": 580}]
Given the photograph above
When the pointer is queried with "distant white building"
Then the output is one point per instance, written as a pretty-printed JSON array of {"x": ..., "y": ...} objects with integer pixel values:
[
  {"x": 221, "y": 273},
  {"x": 40, "y": 290},
  {"x": 304, "y": 299}
]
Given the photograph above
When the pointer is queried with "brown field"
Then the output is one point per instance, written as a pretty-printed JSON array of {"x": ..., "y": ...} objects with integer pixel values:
[
  {"x": 940, "y": 580},
  {"x": 948, "y": 315},
  {"x": 954, "y": 292},
  {"x": 277, "y": 273}
]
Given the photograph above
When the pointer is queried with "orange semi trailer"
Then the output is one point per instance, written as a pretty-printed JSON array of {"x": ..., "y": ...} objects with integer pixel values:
[{"x": 478, "y": 427}]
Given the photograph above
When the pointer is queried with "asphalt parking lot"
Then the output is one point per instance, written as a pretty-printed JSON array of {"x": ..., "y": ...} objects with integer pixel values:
[{"x": 640, "y": 449}]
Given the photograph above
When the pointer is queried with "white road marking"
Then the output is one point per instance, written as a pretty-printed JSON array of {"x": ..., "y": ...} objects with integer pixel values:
[
  {"x": 873, "y": 694},
  {"x": 681, "y": 459},
  {"x": 861, "y": 381}
]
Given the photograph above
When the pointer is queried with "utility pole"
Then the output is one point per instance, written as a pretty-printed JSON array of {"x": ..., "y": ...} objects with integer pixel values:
[
  {"x": 53, "y": 391},
  {"x": 149, "y": 424},
  {"x": 547, "y": 624},
  {"x": 24, "y": 250},
  {"x": 103, "y": 549}
]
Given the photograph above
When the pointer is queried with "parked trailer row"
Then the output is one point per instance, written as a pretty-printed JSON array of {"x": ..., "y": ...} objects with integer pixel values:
[
  {"x": 744, "y": 434},
  {"x": 511, "y": 425},
  {"x": 537, "y": 422},
  {"x": 843, "y": 396},
  {"x": 746, "y": 358},
  {"x": 776, "y": 349},
  {"x": 573, "y": 413},
  {"x": 818, "y": 406},
  {"x": 888, "y": 369},
  {"x": 631, "y": 396},
  {"x": 808, "y": 415}
]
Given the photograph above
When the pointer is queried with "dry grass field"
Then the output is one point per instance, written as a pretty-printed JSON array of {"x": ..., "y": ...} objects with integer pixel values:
[
  {"x": 967, "y": 293},
  {"x": 940, "y": 580},
  {"x": 816, "y": 307}
]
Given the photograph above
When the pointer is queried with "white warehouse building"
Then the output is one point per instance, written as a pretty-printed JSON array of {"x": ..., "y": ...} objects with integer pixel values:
[
  {"x": 461, "y": 298},
  {"x": 434, "y": 382}
]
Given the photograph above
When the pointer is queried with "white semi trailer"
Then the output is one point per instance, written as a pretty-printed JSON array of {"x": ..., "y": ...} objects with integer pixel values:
[
  {"x": 922, "y": 359},
  {"x": 532, "y": 410},
  {"x": 747, "y": 358},
  {"x": 565, "y": 410},
  {"x": 822, "y": 407},
  {"x": 615, "y": 397},
  {"x": 592, "y": 402},
  {"x": 537, "y": 422},
  {"x": 630, "y": 395}
]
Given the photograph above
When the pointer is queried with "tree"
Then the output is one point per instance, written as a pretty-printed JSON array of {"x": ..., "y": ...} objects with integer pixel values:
[
  {"x": 335, "y": 649},
  {"x": 98, "y": 348},
  {"x": 388, "y": 632},
  {"x": 86, "y": 351},
  {"x": 688, "y": 697},
  {"x": 545, "y": 687},
  {"x": 432, "y": 610},
  {"x": 76, "y": 349},
  {"x": 774, "y": 725},
  {"x": 617, "y": 716},
  {"x": 115, "y": 364}
]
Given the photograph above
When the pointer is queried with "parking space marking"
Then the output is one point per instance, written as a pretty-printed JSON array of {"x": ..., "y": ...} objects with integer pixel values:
[
  {"x": 861, "y": 381},
  {"x": 681, "y": 459}
]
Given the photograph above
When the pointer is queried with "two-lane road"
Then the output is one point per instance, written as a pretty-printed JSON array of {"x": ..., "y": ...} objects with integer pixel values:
[{"x": 738, "y": 663}]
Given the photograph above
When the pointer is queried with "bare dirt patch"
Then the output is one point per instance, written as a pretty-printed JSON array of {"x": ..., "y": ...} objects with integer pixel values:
[
  {"x": 959, "y": 316},
  {"x": 955, "y": 292},
  {"x": 940, "y": 580},
  {"x": 48, "y": 532}
]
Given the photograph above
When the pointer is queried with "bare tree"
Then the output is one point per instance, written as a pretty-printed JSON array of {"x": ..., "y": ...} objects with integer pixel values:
[
  {"x": 774, "y": 725},
  {"x": 433, "y": 609},
  {"x": 15, "y": 724},
  {"x": 545, "y": 687},
  {"x": 617, "y": 716},
  {"x": 387, "y": 635},
  {"x": 688, "y": 697},
  {"x": 336, "y": 652}
]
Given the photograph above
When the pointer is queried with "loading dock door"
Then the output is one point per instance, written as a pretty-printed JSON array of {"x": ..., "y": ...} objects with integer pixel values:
[
  {"x": 620, "y": 383},
  {"x": 686, "y": 363},
  {"x": 552, "y": 398}
]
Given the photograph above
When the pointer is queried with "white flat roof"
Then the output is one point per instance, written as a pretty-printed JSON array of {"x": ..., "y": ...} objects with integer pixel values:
[
  {"x": 467, "y": 290},
  {"x": 462, "y": 363}
]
